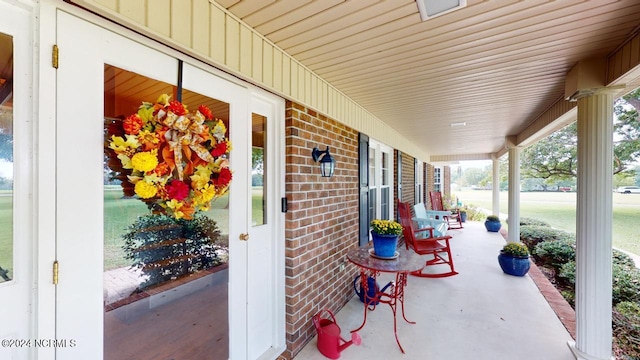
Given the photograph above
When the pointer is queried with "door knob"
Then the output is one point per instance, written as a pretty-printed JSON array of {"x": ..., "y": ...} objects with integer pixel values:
[{"x": 244, "y": 236}]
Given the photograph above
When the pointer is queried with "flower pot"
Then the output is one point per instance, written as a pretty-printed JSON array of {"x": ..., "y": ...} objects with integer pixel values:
[
  {"x": 514, "y": 265},
  {"x": 492, "y": 226},
  {"x": 384, "y": 245}
]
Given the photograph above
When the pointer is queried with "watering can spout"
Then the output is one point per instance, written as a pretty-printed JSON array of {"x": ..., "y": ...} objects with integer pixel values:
[{"x": 355, "y": 340}]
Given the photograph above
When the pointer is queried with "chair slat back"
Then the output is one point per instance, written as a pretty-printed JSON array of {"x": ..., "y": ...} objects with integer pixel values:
[
  {"x": 407, "y": 224},
  {"x": 436, "y": 200}
]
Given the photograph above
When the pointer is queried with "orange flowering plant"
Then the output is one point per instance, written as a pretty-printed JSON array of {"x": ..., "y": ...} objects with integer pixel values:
[{"x": 176, "y": 160}]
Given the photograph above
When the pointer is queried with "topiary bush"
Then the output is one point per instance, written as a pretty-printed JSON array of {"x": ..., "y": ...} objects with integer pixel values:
[
  {"x": 626, "y": 328},
  {"x": 165, "y": 248},
  {"x": 555, "y": 253},
  {"x": 531, "y": 235}
]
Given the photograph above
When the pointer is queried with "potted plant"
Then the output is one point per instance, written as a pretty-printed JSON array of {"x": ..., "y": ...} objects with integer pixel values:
[
  {"x": 514, "y": 259},
  {"x": 463, "y": 214},
  {"x": 385, "y": 235},
  {"x": 492, "y": 223}
]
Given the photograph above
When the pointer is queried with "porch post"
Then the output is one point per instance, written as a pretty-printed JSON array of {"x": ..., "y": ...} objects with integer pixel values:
[
  {"x": 514, "y": 191},
  {"x": 593, "y": 226},
  {"x": 496, "y": 186}
]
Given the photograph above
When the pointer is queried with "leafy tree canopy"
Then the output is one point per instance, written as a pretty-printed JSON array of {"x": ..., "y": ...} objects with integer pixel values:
[{"x": 555, "y": 157}]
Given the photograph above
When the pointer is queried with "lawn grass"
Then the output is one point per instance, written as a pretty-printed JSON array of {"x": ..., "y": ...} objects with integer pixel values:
[
  {"x": 120, "y": 212},
  {"x": 559, "y": 210}
]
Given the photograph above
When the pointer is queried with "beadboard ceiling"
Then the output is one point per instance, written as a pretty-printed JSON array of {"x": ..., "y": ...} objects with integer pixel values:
[{"x": 494, "y": 65}]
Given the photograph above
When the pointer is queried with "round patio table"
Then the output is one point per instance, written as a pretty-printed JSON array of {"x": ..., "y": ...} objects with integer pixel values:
[{"x": 405, "y": 263}]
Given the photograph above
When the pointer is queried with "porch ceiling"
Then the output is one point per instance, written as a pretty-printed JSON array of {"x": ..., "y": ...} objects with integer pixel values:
[{"x": 494, "y": 65}]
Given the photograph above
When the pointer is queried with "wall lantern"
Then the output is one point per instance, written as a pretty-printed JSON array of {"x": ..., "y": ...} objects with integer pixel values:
[{"x": 327, "y": 163}]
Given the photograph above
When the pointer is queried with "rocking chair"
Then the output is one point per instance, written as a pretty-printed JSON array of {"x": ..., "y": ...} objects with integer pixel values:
[
  {"x": 452, "y": 218},
  {"x": 438, "y": 247}
]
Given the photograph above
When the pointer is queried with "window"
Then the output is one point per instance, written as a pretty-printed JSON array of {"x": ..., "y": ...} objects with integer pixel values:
[
  {"x": 380, "y": 180},
  {"x": 437, "y": 179}
]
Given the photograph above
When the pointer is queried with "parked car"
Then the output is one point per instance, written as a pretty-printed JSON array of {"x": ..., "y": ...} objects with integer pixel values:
[{"x": 628, "y": 190}]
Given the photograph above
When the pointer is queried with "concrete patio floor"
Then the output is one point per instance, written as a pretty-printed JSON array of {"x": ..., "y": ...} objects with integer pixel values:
[{"x": 479, "y": 314}]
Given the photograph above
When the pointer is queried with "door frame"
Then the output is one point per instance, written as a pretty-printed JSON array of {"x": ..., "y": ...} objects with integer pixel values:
[
  {"x": 44, "y": 318},
  {"x": 18, "y": 293}
]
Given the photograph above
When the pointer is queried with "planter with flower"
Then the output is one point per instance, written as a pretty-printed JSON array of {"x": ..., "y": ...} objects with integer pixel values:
[
  {"x": 492, "y": 223},
  {"x": 385, "y": 235},
  {"x": 514, "y": 259},
  {"x": 175, "y": 161}
]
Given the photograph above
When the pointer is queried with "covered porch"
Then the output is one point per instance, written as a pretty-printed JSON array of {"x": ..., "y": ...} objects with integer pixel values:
[{"x": 481, "y": 313}]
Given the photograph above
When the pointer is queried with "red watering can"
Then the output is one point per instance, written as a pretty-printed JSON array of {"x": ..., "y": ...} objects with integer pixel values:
[{"x": 329, "y": 336}]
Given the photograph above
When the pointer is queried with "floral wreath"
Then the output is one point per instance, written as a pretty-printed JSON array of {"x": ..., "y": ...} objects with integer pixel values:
[{"x": 175, "y": 160}]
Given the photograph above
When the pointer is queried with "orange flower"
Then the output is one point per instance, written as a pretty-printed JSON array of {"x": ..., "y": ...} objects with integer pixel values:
[
  {"x": 132, "y": 124},
  {"x": 204, "y": 110},
  {"x": 162, "y": 169},
  {"x": 177, "y": 108}
]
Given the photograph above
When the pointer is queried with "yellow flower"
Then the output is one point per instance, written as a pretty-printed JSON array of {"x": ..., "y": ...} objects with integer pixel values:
[
  {"x": 120, "y": 145},
  {"x": 145, "y": 190},
  {"x": 164, "y": 99},
  {"x": 175, "y": 207},
  {"x": 145, "y": 161},
  {"x": 200, "y": 177}
]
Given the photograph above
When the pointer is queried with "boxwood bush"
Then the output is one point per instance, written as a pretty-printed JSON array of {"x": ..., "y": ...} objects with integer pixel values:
[
  {"x": 531, "y": 235},
  {"x": 555, "y": 253},
  {"x": 524, "y": 221}
]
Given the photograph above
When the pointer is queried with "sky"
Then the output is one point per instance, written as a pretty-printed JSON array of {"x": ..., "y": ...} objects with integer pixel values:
[{"x": 6, "y": 169}]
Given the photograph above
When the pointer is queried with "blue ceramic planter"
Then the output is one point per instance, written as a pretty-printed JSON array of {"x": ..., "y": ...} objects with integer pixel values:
[
  {"x": 493, "y": 226},
  {"x": 384, "y": 245},
  {"x": 516, "y": 266}
]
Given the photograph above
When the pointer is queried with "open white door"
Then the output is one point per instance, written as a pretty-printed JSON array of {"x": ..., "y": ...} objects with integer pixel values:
[{"x": 104, "y": 75}]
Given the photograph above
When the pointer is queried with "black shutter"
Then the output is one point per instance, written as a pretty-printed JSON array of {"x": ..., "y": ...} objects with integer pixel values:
[
  {"x": 363, "y": 166},
  {"x": 399, "y": 171}
]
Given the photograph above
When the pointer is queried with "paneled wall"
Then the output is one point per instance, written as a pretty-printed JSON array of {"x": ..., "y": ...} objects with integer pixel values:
[{"x": 205, "y": 30}]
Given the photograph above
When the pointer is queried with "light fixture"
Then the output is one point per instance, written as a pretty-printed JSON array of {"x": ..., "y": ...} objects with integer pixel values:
[
  {"x": 327, "y": 163},
  {"x": 458, "y": 124},
  {"x": 431, "y": 8}
]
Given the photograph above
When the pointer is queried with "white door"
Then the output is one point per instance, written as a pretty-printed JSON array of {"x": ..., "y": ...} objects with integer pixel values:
[
  {"x": 16, "y": 239},
  {"x": 88, "y": 55}
]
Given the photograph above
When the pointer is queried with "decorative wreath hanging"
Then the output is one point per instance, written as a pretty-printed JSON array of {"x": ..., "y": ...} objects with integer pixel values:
[{"x": 177, "y": 161}]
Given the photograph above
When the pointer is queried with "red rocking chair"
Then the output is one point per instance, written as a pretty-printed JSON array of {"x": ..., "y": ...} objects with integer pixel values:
[
  {"x": 438, "y": 247},
  {"x": 453, "y": 218}
]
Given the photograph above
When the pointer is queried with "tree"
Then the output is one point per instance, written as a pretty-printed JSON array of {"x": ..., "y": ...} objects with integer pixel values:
[{"x": 554, "y": 158}]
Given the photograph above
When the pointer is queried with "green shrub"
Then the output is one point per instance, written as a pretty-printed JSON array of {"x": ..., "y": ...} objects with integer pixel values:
[
  {"x": 473, "y": 213},
  {"x": 531, "y": 235},
  {"x": 622, "y": 259},
  {"x": 165, "y": 248},
  {"x": 626, "y": 328},
  {"x": 555, "y": 253},
  {"x": 570, "y": 296},
  {"x": 626, "y": 284},
  {"x": 493, "y": 218},
  {"x": 567, "y": 274},
  {"x": 524, "y": 221}
]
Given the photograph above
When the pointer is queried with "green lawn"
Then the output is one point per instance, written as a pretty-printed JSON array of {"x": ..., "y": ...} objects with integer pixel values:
[
  {"x": 120, "y": 212},
  {"x": 559, "y": 210}
]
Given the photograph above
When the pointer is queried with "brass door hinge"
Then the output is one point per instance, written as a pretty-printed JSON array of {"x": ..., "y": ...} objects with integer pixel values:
[
  {"x": 54, "y": 57},
  {"x": 55, "y": 272}
]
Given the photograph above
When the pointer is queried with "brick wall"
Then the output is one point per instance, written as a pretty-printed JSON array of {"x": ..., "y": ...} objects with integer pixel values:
[
  {"x": 408, "y": 179},
  {"x": 430, "y": 183},
  {"x": 446, "y": 180},
  {"x": 322, "y": 221}
]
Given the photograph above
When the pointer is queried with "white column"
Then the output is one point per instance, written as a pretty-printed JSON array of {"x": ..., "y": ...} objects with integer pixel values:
[
  {"x": 514, "y": 194},
  {"x": 496, "y": 186},
  {"x": 593, "y": 227}
]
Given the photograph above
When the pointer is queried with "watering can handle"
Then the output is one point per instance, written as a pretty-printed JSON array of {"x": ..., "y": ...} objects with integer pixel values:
[
  {"x": 355, "y": 286},
  {"x": 316, "y": 319}
]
